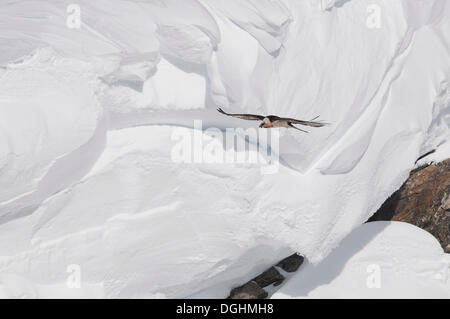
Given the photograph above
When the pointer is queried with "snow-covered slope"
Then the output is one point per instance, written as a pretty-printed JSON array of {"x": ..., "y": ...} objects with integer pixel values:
[
  {"x": 378, "y": 260},
  {"x": 81, "y": 184}
]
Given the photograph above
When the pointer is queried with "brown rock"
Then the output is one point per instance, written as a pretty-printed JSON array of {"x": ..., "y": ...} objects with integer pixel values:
[
  {"x": 250, "y": 290},
  {"x": 270, "y": 276},
  {"x": 447, "y": 249},
  {"x": 424, "y": 201},
  {"x": 291, "y": 263}
]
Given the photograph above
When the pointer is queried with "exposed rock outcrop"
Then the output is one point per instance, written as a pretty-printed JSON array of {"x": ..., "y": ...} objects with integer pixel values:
[
  {"x": 424, "y": 201},
  {"x": 291, "y": 263},
  {"x": 269, "y": 277},
  {"x": 250, "y": 290},
  {"x": 254, "y": 288}
]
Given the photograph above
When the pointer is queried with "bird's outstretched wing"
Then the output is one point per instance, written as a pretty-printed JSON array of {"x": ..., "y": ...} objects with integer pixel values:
[
  {"x": 311, "y": 123},
  {"x": 249, "y": 117}
]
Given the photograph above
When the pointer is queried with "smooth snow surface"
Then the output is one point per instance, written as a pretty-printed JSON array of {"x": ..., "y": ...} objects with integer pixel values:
[
  {"x": 87, "y": 118},
  {"x": 378, "y": 260}
]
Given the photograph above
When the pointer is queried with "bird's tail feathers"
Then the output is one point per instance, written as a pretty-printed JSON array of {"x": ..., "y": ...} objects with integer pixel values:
[
  {"x": 291, "y": 125},
  {"x": 316, "y": 124}
]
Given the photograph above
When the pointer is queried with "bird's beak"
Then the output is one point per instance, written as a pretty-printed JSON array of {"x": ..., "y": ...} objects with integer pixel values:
[{"x": 261, "y": 125}]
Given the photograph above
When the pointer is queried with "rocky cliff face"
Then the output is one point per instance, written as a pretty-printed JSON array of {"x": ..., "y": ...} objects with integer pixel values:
[
  {"x": 424, "y": 201},
  {"x": 254, "y": 289}
]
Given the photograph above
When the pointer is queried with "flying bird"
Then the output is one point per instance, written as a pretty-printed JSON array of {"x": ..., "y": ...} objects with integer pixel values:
[{"x": 275, "y": 121}]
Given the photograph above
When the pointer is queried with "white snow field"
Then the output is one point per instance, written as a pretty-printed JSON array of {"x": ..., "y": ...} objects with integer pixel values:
[
  {"x": 377, "y": 260},
  {"x": 92, "y": 94}
]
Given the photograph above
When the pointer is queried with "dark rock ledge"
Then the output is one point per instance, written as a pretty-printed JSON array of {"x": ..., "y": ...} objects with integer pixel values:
[
  {"x": 423, "y": 200},
  {"x": 254, "y": 288}
]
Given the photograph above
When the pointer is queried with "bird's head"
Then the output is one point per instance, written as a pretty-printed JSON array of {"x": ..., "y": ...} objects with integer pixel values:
[{"x": 266, "y": 122}]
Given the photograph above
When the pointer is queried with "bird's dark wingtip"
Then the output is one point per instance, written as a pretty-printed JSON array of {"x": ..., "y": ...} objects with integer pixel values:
[{"x": 220, "y": 110}]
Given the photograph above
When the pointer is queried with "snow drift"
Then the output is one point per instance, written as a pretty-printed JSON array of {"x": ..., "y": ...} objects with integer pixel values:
[
  {"x": 377, "y": 260},
  {"x": 81, "y": 184}
]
